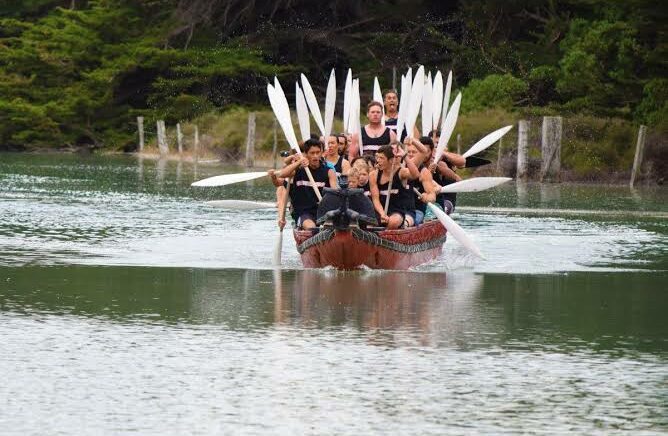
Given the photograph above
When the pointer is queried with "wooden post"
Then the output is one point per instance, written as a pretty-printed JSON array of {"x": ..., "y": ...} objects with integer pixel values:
[
  {"x": 394, "y": 77},
  {"x": 459, "y": 143},
  {"x": 551, "y": 149},
  {"x": 275, "y": 145},
  {"x": 179, "y": 138},
  {"x": 140, "y": 129},
  {"x": 640, "y": 148},
  {"x": 523, "y": 149},
  {"x": 196, "y": 144},
  {"x": 498, "y": 158},
  {"x": 250, "y": 140},
  {"x": 162, "y": 138}
]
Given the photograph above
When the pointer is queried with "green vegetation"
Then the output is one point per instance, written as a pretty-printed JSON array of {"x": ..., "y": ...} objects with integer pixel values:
[{"x": 77, "y": 72}]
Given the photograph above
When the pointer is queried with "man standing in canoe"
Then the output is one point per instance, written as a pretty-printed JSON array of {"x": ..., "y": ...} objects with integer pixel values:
[
  {"x": 374, "y": 134},
  {"x": 303, "y": 198},
  {"x": 391, "y": 102}
]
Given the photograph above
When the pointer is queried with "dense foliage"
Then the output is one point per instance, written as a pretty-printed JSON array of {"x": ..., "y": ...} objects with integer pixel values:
[{"x": 78, "y": 72}]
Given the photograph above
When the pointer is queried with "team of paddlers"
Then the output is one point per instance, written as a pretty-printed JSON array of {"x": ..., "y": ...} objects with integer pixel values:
[{"x": 380, "y": 160}]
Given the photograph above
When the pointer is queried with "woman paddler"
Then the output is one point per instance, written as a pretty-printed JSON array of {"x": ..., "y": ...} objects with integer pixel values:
[
  {"x": 303, "y": 198},
  {"x": 341, "y": 165},
  {"x": 401, "y": 210},
  {"x": 373, "y": 135}
]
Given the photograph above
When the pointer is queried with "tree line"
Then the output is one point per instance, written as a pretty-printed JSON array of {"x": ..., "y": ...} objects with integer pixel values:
[{"x": 75, "y": 72}]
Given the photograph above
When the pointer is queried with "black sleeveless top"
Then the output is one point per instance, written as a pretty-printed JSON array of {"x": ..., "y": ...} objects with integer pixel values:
[
  {"x": 401, "y": 197},
  {"x": 338, "y": 167},
  {"x": 367, "y": 189},
  {"x": 371, "y": 145},
  {"x": 419, "y": 204},
  {"x": 391, "y": 123},
  {"x": 302, "y": 196}
]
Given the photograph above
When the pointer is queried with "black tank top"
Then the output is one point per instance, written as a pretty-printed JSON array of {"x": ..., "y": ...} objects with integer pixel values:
[
  {"x": 401, "y": 197},
  {"x": 338, "y": 167},
  {"x": 302, "y": 196},
  {"x": 391, "y": 123},
  {"x": 370, "y": 145},
  {"x": 419, "y": 204}
]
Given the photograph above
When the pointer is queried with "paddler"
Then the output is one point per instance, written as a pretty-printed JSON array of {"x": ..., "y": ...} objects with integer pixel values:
[
  {"x": 401, "y": 210},
  {"x": 332, "y": 156},
  {"x": 419, "y": 152},
  {"x": 374, "y": 135},
  {"x": 303, "y": 198}
]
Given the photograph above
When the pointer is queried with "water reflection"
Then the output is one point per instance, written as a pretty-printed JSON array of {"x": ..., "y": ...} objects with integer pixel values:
[{"x": 464, "y": 311}]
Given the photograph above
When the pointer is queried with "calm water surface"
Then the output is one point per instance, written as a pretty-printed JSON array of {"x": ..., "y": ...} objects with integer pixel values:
[{"x": 129, "y": 305}]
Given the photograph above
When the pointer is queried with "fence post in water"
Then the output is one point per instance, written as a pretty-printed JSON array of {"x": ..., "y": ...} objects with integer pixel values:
[
  {"x": 637, "y": 161},
  {"x": 523, "y": 149},
  {"x": 162, "y": 138},
  {"x": 250, "y": 140},
  {"x": 140, "y": 129},
  {"x": 196, "y": 144},
  {"x": 551, "y": 149},
  {"x": 179, "y": 138},
  {"x": 275, "y": 145},
  {"x": 459, "y": 143}
]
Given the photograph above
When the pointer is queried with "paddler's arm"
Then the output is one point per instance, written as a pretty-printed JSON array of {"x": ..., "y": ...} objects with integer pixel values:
[
  {"x": 446, "y": 172},
  {"x": 345, "y": 167},
  {"x": 430, "y": 187},
  {"x": 354, "y": 149},
  {"x": 411, "y": 170},
  {"x": 455, "y": 159},
  {"x": 423, "y": 152},
  {"x": 375, "y": 196},
  {"x": 291, "y": 169},
  {"x": 331, "y": 174}
]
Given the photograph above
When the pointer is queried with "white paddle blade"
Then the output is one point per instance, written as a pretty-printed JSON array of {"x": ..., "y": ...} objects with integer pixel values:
[
  {"x": 487, "y": 141},
  {"x": 416, "y": 100},
  {"x": 437, "y": 100},
  {"x": 330, "y": 103},
  {"x": 403, "y": 104},
  {"x": 446, "y": 97},
  {"x": 475, "y": 185},
  {"x": 240, "y": 204},
  {"x": 347, "y": 99},
  {"x": 228, "y": 179},
  {"x": 378, "y": 96},
  {"x": 278, "y": 249},
  {"x": 426, "y": 106},
  {"x": 455, "y": 230},
  {"x": 448, "y": 127},
  {"x": 312, "y": 104},
  {"x": 282, "y": 113},
  {"x": 302, "y": 113}
]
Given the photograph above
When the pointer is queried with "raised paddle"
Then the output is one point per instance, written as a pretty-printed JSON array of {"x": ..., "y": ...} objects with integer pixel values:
[
  {"x": 312, "y": 104},
  {"x": 426, "y": 105},
  {"x": 330, "y": 103},
  {"x": 282, "y": 112},
  {"x": 302, "y": 113},
  {"x": 453, "y": 228},
  {"x": 347, "y": 99},
  {"x": 278, "y": 248},
  {"x": 378, "y": 96},
  {"x": 447, "y": 128},
  {"x": 474, "y": 185},
  {"x": 415, "y": 101},
  {"x": 487, "y": 141},
  {"x": 446, "y": 97},
  {"x": 437, "y": 100}
]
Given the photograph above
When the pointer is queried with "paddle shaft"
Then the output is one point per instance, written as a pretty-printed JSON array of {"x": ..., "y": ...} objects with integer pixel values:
[{"x": 389, "y": 188}]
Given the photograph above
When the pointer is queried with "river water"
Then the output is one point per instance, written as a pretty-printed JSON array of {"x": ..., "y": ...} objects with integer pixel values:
[{"x": 128, "y": 304}]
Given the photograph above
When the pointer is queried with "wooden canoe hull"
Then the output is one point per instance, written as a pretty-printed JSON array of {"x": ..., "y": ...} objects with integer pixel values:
[{"x": 354, "y": 248}]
